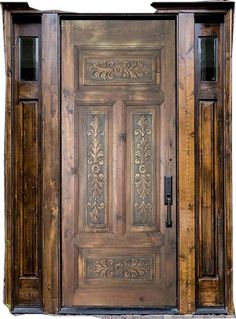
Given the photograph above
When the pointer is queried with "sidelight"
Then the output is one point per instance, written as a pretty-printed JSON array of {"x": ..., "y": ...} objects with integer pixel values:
[
  {"x": 28, "y": 58},
  {"x": 208, "y": 56}
]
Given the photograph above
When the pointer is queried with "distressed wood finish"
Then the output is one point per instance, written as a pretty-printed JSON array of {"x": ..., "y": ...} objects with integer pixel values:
[
  {"x": 27, "y": 181},
  {"x": 8, "y": 177},
  {"x": 209, "y": 175},
  {"x": 186, "y": 163},
  {"x": 118, "y": 142},
  {"x": 228, "y": 211},
  {"x": 33, "y": 182},
  {"x": 51, "y": 162}
]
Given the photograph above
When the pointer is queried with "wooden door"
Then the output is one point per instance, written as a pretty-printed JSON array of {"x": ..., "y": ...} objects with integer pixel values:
[{"x": 118, "y": 143}]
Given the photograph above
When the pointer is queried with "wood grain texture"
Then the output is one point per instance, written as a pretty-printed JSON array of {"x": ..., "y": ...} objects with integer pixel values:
[
  {"x": 209, "y": 175},
  {"x": 51, "y": 161},
  {"x": 8, "y": 176},
  {"x": 27, "y": 181},
  {"x": 186, "y": 164},
  {"x": 120, "y": 180},
  {"x": 228, "y": 33},
  {"x": 208, "y": 286}
]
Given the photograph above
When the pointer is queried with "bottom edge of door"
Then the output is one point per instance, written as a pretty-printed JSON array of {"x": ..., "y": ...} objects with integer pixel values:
[{"x": 117, "y": 311}]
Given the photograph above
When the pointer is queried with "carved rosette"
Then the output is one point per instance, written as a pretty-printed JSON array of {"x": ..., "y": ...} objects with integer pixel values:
[
  {"x": 95, "y": 177},
  {"x": 120, "y": 268},
  {"x": 143, "y": 169}
]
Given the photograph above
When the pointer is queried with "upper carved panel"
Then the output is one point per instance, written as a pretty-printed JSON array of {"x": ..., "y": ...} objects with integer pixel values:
[
  {"x": 113, "y": 66},
  {"x": 122, "y": 69}
]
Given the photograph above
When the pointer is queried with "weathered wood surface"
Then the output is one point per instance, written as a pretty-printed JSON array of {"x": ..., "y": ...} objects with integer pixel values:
[
  {"x": 186, "y": 196},
  {"x": 51, "y": 161}
]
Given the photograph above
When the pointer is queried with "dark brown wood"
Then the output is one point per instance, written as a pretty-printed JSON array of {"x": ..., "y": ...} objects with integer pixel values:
[
  {"x": 209, "y": 175},
  {"x": 118, "y": 142},
  {"x": 193, "y": 7},
  {"x": 206, "y": 281},
  {"x": 186, "y": 163},
  {"x": 51, "y": 161},
  {"x": 8, "y": 153},
  {"x": 27, "y": 181},
  {"x": 228, "y": 210}
]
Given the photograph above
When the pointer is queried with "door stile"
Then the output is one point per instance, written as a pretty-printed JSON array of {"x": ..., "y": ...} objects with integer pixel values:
[
  {"x": 118, "y": 167},
  {"x": 51, "y": 161},
  {"x": 186, "y": 236}
]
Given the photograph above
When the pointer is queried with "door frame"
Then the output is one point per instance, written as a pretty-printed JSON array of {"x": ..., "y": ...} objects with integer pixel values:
[{"x": 184, "y": 13}]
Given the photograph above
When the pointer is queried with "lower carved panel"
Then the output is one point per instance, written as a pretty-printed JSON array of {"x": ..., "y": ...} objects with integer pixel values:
[{"x": 120, "y": 268}]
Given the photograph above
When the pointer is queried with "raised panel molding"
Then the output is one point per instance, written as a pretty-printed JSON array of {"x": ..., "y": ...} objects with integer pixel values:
[
  {"x": 27, "y": 208},
  {"x": 207, "y": 191},
  {"x": 118, "y": 66}
]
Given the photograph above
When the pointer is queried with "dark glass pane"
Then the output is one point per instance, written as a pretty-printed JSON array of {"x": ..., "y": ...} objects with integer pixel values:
[
  {"x": 28, "y": 58},
  {"x": 208, "y": 49}
]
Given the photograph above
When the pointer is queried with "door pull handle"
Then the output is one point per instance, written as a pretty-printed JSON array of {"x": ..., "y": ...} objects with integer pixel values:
[{"x": 168, "y": 199}]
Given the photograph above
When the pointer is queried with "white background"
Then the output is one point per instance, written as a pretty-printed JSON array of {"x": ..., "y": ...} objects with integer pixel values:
[{"x": 81, "y": 6}]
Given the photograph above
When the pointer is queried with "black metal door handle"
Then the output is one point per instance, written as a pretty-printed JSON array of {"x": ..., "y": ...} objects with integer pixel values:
[
  {"x": 168, "y": 199},
  {"x": 169, "y": 219}
]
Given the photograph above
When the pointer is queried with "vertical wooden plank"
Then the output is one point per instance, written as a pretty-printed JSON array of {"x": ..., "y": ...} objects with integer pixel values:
[
  {"x": 168, "y": 157},
  {"x": 186, "y": 163},
  {"x": 69, "y": 166},
  {"x": 51, "y": 160},
  {"x": 228, "y": 33},
  {"x": 8, "y": 288}
]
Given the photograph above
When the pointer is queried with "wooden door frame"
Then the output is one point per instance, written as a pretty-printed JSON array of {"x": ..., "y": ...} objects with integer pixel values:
[{"x": 184, "y": 13}]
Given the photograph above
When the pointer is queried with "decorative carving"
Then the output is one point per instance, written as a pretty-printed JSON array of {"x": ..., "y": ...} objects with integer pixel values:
[
  {"x": 95, "y": 203},
  {"x": 109, "y": 70},
  {"x": 110, "y": 67},
  {"x": 143, "y": 170},
  {"x": 120, "y": 268}
]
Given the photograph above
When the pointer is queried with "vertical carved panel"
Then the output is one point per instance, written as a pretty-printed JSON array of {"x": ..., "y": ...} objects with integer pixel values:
[
  {"x": 96, "y": 169},
  {"x": 143, "y": 169}
]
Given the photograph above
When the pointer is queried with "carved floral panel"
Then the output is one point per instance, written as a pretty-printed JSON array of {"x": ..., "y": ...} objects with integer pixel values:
[
  {"x": 120, "y": 268},
  {"x": 96, "y": 169},
  {"x": 119, "y": 70},
  {"x": 142, "y": 169}
]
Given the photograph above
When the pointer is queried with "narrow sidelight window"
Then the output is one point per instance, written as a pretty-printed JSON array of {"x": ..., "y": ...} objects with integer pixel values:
[
  {"x": 28, "y": 58},
  {"x": 207, "y": 47}
]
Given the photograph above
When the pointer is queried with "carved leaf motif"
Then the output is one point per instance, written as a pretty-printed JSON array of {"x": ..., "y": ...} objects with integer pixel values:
[
  {"x": 143, "y": 151},
  {"x": 143, "y": 182},
  {"x": 143, "y": 127},
  {"x": 144, "y": 211},
  {"x": 95, "y": 177},
  {"x": 109, "y": 70},
  {"x": 122, "y": 268}
]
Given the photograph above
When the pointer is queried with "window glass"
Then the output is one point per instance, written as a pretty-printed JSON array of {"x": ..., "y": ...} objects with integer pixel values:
[
  {"x": 207, "y": 53},
  {"x": 28, "y": 58}
]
